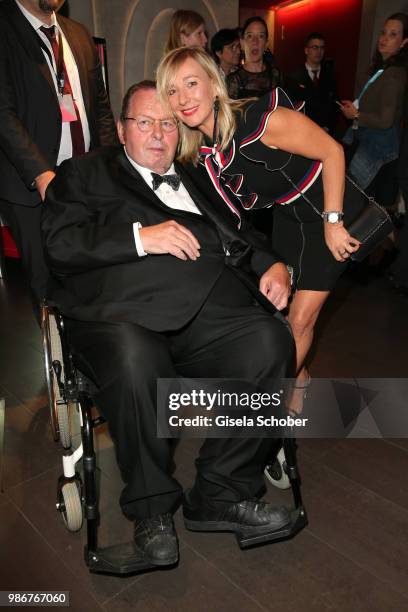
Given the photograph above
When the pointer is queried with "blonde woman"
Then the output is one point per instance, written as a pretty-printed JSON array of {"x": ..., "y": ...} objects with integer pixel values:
[
  {"x": 187, "y": 29},
  {"x": 263, "y": 153}
]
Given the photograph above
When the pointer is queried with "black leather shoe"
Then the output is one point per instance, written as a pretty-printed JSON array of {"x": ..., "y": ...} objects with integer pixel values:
[
  {"x": 249, "y": 516},
  {"x": 156, "y": 538}
]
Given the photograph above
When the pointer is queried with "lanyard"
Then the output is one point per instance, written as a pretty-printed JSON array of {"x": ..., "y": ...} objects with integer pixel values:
[
  {"x": 370, "y": 82},
  {"x": 59, "y": 72}
]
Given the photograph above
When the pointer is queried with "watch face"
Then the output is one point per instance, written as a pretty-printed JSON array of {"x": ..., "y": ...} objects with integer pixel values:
[{"x": 333, "y": 217}]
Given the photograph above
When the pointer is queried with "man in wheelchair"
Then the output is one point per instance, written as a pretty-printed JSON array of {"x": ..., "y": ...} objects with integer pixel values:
[{"x": 155, "y": 280}]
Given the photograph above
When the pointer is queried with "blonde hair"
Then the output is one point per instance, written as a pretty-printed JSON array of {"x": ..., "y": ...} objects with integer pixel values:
[
  {"x": 182, "y": 22},
  {"x": 191, "y": 138}
]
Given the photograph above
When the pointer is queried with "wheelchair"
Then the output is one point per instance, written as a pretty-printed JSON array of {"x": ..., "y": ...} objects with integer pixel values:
[
  {"x": 277, "y": 471},
  {"x": 70, "y": 394}
]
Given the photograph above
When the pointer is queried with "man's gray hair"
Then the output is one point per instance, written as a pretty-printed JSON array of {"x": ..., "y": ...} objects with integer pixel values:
[{"x": 141, "y": 86}]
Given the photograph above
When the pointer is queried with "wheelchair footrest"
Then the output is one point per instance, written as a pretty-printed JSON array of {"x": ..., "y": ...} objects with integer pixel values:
[
  {"x": 297, "y": 523},
  {"x": 117, "y": 559}
]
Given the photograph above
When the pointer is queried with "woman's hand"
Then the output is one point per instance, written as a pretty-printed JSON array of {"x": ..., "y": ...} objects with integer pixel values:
[
  {"x": 339, "y": 241},
  {"x": 348, "y": 109}
]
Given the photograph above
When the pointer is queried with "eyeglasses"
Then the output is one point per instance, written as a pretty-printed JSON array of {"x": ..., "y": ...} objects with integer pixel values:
[
  {"x": 147, "y": 125},
  {"x": 234, "y": 46},
  {"x": 317, "y": 47}
]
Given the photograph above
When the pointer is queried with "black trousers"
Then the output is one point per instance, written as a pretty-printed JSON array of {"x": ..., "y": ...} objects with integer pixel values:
[
  {"x": 24, "y": 222},
  {"x": 230, "y": 337}
]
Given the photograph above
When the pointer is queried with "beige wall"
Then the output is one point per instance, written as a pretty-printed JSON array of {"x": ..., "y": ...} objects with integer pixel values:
[{"x": 135, "y": 32}]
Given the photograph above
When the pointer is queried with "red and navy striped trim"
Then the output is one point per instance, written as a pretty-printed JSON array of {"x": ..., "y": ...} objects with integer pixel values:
[
  {"x": 235, "y": 182},
  {"x": 222, "y": 159},
  {"x": 272, "y": 104},
  {"x": 305, "y": 182},
  {"x": 215, "y": 179}
]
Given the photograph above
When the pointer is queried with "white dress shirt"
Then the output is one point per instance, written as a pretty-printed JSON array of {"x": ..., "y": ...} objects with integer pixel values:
[
  {"x": 311, "y": 73},
  {"x": 180, "y": 199},
  {"x": 65, "y": 148}
]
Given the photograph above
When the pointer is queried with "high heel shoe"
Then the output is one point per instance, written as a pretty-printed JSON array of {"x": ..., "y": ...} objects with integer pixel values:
[{"x": 298, "y": 397}]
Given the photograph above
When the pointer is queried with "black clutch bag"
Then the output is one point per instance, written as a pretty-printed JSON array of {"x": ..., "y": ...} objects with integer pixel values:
[{"x": 370, "y": 228}]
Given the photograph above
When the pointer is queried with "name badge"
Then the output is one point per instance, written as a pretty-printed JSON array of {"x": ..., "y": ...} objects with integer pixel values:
[{"x": 67, "y": 107}]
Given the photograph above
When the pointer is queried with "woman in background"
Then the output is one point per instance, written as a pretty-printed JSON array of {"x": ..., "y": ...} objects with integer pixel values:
[
  {"x": 374, "y": 138},
  {"x": 258, "y": 75},
  {"x": 226, "y": 50},
  {"x": 187, "y": 29},
  {"x": 376, "y": 114}
]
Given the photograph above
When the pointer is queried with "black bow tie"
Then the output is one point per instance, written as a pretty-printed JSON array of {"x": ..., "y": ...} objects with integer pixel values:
[{"x": 172, "y": 179}]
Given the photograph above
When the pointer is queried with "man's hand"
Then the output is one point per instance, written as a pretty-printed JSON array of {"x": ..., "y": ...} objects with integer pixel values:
[
  {"x": 42, "y": 181},
  {"x": 170, "y": 237},
  {"x": 275, "y": 285}
]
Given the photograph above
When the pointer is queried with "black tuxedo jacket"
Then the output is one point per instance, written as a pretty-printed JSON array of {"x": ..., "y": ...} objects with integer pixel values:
[
  {"x": 320, "y": 99},
  {"x": 98, "y": 276},
  {"x": 30, "y": 117}
]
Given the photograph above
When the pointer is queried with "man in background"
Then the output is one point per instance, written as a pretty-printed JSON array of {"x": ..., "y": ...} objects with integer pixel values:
[
  {"x": 315, "y": 83},
  {"x": 53, "y": 106}
]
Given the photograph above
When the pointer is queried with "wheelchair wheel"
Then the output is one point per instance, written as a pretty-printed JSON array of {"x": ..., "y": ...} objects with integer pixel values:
[
  {"x": 64, "y": 424},
  {"x": 59, "y": 409},
  {"x": 276, "y": 472},
  {"x": 49, "y": 373},
  {"x": 72, "y": 506}
]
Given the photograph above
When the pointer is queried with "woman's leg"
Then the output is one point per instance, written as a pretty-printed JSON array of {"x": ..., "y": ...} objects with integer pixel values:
[{"x": 303, "y": 312}]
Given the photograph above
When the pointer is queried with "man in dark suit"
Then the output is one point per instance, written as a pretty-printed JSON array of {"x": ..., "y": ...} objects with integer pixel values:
[
  {"x": 315, "y": 83},
  {"x": 156, "y": 282},
  {"x": 53, "y": 105}
]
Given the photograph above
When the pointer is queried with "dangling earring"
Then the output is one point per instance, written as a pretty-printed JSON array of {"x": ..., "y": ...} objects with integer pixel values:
[{"x": 216, "y": 107}]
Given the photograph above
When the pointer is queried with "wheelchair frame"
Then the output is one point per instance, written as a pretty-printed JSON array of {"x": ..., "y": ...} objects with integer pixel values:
[{"x": 70, "y": 390}]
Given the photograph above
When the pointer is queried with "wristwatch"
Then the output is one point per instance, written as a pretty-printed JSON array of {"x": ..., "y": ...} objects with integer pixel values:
[
  {"x": 332, "y": 216},
  {"x": 291, "y": 271}
]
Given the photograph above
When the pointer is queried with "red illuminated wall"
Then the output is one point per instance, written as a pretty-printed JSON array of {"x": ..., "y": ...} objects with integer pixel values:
[{"x": 337, "y": 20}]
